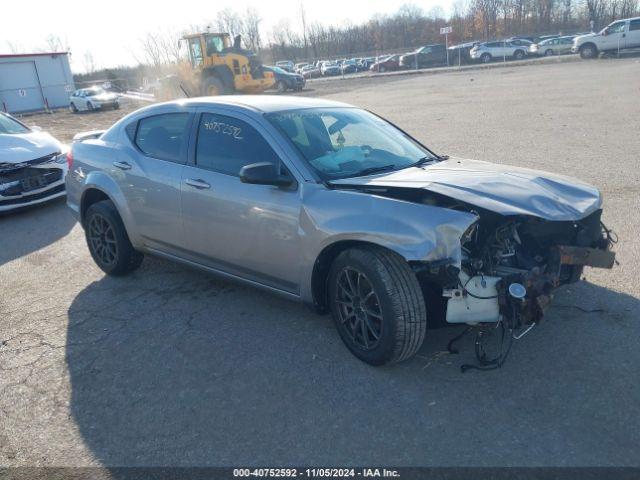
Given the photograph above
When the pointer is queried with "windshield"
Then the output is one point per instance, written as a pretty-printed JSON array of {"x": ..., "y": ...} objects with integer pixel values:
[
  {"x": 9, "y": 126},
  {"x": 348, "y": 142},
  {"x": 95, "y": 91}
]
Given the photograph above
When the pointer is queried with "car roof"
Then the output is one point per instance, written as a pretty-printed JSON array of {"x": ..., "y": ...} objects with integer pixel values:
[{"x": 262, "y": 103}]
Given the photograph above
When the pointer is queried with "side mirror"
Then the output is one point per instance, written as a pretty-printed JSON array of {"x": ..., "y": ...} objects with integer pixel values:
[{"x": 263, "y": 173}]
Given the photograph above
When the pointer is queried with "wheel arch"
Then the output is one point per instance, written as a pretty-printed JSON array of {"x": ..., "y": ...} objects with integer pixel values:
[
  {"x": 98, "y": 187},
  {"x": 589, "y": 44}
]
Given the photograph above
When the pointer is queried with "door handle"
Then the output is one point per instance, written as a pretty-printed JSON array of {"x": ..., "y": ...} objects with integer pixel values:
[
  {"x": 122, "y": 165},
  {"x": 197, "y": 183}
]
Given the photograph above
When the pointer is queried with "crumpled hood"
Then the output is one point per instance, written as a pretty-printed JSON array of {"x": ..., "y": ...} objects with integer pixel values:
[
  {"x": 27, "y": 146},
  {"x": 502, "y": 189}
]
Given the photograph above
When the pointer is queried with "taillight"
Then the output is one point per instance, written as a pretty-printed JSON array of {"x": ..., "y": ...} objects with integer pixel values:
[{"x": 70, "y": 158}]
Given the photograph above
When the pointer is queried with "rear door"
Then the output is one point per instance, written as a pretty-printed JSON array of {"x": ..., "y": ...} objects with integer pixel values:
[
  {"x": 247, "y": 230},
  {"x": 633, "y": 35},
  {"x": 149, "y": 170}
]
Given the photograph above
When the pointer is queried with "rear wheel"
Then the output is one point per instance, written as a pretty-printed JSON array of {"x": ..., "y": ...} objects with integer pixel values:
[
  {"x": 485, "y": 57},
  {"x": 90, "y": 106},
  {"x": 377, "y": 305},
  {"x": 73, "y": 108},
  {"x": 108, "y": 241},
  {"x": 213, "y": 86}
]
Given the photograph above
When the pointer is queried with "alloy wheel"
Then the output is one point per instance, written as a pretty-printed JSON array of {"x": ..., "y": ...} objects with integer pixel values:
[
  {"x": 359, "y": 309},
  {"x": 102, "y": 239}
]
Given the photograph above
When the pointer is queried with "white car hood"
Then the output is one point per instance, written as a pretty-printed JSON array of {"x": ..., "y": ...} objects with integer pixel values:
[
  {"x": 499, "y": 188},
  {"x": 27, "y": 146}
]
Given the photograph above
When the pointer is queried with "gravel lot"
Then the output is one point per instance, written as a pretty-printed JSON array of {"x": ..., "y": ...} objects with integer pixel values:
[{"x": 171, "y": 366}]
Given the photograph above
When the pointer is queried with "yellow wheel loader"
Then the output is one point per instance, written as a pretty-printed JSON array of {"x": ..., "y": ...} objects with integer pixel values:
[{"x": 220, "y": 67}]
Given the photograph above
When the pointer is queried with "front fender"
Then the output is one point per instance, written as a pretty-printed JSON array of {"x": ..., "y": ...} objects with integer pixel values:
[{"x": 415, "y": 231}]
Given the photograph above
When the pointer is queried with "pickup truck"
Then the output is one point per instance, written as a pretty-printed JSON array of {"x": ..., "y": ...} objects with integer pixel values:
[{"x": 619, "y": 35}]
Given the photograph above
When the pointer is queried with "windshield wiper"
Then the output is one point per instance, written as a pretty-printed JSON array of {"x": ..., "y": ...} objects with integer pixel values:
[
  {"x": 372, "y": 170},
  {"x": 429, "y": 159}
]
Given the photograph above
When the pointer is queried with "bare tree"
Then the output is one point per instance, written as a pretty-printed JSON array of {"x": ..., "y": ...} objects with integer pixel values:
[
  {"x": 251, "y": 29},
  {"x": 89, "y": 64}
]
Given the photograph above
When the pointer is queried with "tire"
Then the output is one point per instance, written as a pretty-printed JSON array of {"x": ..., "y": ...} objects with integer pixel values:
[
  {"x": 108, "y": 241},
  {"x": 588, "y": 52},
  {"x": 518, "y": 55},
  {"x": 116, "y": 106},
  {"x": 281, "y": 87},
  {"x": 73, "y": 108},
  {"x": 90, "y": 106},
  {"x": 212, "y": 86},
  {"x": 386, "y": 301},
  {"x": 485, "y": 57},
  {"x": 382, "y": 69},
  {"x": 549, "y": 53}
]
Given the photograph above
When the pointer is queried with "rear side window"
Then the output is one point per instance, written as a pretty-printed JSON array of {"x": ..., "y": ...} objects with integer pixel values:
[
  {"x": 634, "y": 25},
  {"x": 226, "y": 144},
  {"x": 163, "y": 136}
]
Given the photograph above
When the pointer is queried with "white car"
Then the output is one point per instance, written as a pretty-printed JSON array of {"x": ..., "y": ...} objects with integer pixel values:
[
  {"x": 619, "y": 35},
  {"x": 486, "y": 52},
  {"x": 33, "y": 165},
  {"x": 93, "y": 98}
]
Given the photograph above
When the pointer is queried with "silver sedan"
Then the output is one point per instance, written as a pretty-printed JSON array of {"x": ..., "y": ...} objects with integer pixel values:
[{"x": 334, "y": 206}]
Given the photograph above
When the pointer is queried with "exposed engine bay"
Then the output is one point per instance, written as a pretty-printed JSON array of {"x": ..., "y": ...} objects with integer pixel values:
[{"x": 511, "y": 265}]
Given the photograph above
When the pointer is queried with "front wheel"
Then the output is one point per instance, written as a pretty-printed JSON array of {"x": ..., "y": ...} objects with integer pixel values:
[
  {"x": 108, "y": 241},
  {"x": 588, "y": 52},
  {"x": 485, "y": 58},
  {"x": 518, "y": 55},
  {"x": 377, "y": 305},
  {"x": 212, "y": 86},
  {"x": 548, "y": 53},
  {"x": 281, "y": 87}
]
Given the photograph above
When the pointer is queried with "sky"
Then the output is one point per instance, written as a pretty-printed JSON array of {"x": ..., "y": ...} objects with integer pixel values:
[{"x": 112, "y": 30}]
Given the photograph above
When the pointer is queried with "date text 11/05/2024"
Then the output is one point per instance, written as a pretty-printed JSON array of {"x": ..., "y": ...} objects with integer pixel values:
[{"x": 316, "y": 472}]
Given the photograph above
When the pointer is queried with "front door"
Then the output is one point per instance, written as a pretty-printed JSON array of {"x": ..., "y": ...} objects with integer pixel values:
[
  {"x": 243, "y": 229},
  {"x": 149, "y": 171},
  {"x": 614, "y": 37}
]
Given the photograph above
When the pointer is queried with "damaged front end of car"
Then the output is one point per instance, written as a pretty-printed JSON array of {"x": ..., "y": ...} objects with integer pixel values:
[{"x": 513, "y": 257}]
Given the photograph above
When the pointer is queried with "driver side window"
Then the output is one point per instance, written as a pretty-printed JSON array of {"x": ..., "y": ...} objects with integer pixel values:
[{"x": 617, "y": 27}]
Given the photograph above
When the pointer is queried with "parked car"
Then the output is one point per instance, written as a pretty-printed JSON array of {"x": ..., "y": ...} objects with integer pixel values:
[
  {"x": 299, "y": 66},
  {"x": 330, "y": 68},
  {"x": 285, "y": 80},
  {"x": 349, "y": 66},
  {"x": 365, "y": 63},
  {"x": 285, "y": 65},
  {"x": 32, "y": 165},
  {"x": 93, "y": 98},
  {"x": 385, "y": 64},
  {"x": 619, "y": 35},
  {"x": 486, "y": 52},
  {"x": 552, "y": 46},
  {"x": 460, "y": 54},
  {"x": 331, "y": 205},
  {"x": 311, "y": 71},
  {"x": 427, "y": 56}
]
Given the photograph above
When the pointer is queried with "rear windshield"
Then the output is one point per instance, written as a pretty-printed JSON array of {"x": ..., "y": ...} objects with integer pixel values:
[{"x": 9, "y": 126}]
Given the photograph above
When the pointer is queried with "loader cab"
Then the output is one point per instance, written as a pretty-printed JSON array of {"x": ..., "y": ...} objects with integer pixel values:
[{"x": 204, "y": 45}]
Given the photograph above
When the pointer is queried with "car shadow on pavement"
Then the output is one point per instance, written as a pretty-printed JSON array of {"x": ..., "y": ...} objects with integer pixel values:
[
  {"x": 31, "y": 228},
  {"x": 173, "y": 367}
]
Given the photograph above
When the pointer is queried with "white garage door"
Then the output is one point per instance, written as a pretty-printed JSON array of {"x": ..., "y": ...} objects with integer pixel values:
[{"x": 19, "y": 88}]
